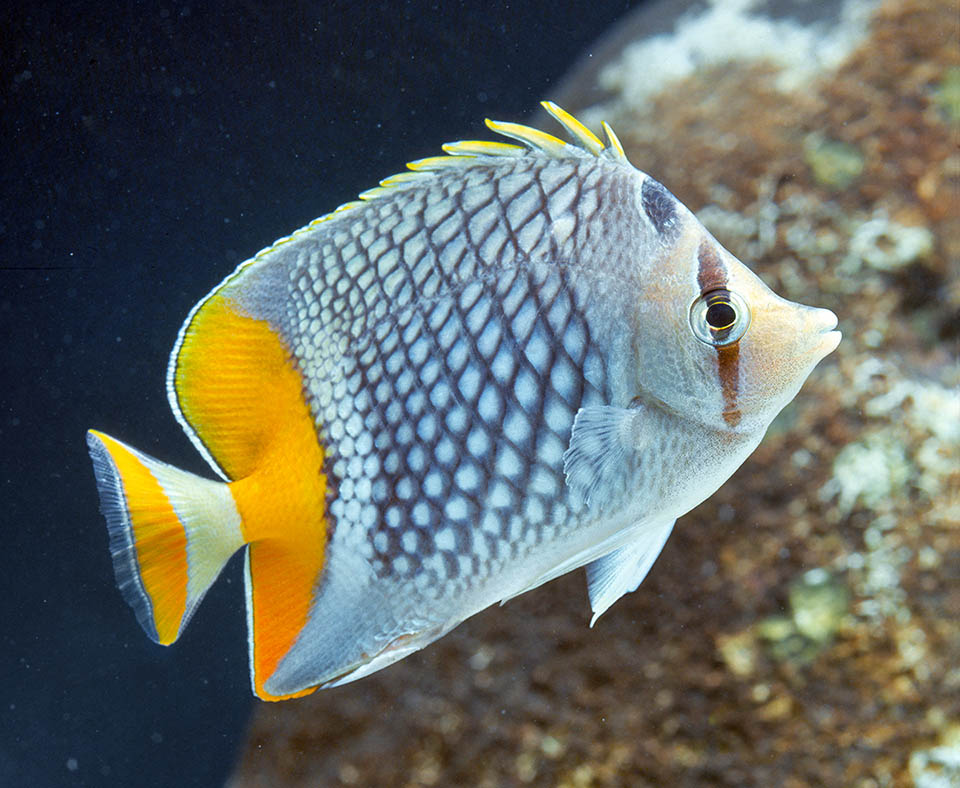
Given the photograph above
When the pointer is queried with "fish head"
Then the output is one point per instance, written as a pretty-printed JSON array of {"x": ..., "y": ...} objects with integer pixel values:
[{"x": 719, "y": 346}]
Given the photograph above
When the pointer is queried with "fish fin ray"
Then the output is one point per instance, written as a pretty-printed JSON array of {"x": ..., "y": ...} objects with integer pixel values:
[
  {"x": 621, "y": 571},
  {"x": 596, "y": 463},
  {"x": 581, "y": 134},
  {"x": 171, "y": 533}
]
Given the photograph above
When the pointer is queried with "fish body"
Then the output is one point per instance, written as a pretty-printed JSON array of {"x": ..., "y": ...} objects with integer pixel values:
[{"x": 508, "y": 363}]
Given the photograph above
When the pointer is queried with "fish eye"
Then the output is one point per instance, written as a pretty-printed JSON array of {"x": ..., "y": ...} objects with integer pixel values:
[{"x": 719, "y": 317}]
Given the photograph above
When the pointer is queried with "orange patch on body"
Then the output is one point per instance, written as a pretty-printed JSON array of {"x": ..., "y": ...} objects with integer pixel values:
[
  {"x": 239, "y": 388},
  {"x": 159, "y": 540}
]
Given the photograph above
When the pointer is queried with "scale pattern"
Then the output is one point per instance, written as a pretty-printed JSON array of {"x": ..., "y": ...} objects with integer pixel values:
[{"x": 443, "y": 338}]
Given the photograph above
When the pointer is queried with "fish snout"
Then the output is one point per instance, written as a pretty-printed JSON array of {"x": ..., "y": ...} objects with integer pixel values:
[{"x": 823, "y": 325}]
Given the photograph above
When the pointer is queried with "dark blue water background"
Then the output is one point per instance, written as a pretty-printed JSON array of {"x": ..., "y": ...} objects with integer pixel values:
[{"x": 147, "y": 148}]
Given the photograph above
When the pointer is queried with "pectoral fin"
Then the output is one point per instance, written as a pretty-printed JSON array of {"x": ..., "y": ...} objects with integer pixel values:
[
  {"x": 600, "y": 455},
  {"x": 620, "y": 572}
]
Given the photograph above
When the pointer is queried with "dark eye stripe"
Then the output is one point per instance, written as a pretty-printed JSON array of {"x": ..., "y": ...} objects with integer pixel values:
[{"x": 712, "y": 274}]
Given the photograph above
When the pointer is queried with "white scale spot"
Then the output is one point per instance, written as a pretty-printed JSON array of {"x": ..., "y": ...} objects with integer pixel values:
[
  {"x": 508, "y": 463},
  {"x": 503, "y": 364},
  {"x": 419, "y": 351},
  {"x": 489, "y": 339},
  {"x": 478, "y": 316},
  {"x": 427, "y": 428},
  {"x": 456, "y": 509},
  {"x": 394, "y": 412},
  {"x": 346, "y": 489},
  {"x": 364, "y": 445},
  {"x": 489, "y": 405},
  {"x": 500, "y": 496},
  {"x": 354, "y": 424},
  {"x": 481, "y": 223},
  {"x": 352, "y": 510},
  {"x": 433, "y": 485},
  {"x": 392, "y": 462},
  {"x": 574, "y": 339},
  {"x": 468, "y": 298},
  {"x": 416, "y": 403},
  {"x": 478, "y": 444},
  {"x": 445, "y": 540},
  {"x": 401, "y": 565},
  {"x": 562, "y": 378},
  {"x": 523, "y": 321},
  {"x": 515, "y": 528},
  {"x": 550, "y": 451},
  {"x": 336, "y": 431},
  {"x": 368, "y": 517},
  {"x": 470, "y": 382},
  {"x": 363, "y": 489},
  {"x": 543, "y": 483},
  {"x": 405, "y": 488},
  {"x": 445, "y": 451},
  {"x": 409, "y": 541},
  {"x": 430, "y": 372},
  {"x": 467, "y": 477},
  {"x": 528, "y": 237},
  {"x": 387, "y": 263},
  {"x": 381, "y": 542},
  {"x": 513, "y": 299},
  {"x": 558, "y": 417},
  {"x": 525, "y": 390},
  {"x": 538, "y": 351},
  {"x": 446, "y": 231},
  {"x": 414, "y": 249},
  {"x": 458, "y": 355},
  {"x": 421, "y": 514},
  {"x": 405, "y": 382},
  {"x": 404, "y": 434},
  {"x": 417, "y": 459},
  {"x": 448, "y": 334},
  {"x": 490, "y": 524},
  {"x": 534, "y": 510},
  {"x": 457, "y": 419},
  {"x": 392, "y": 517},
  {"x": 515, "y": 426},
  {"x": 379, "y": 490},
  {"x": 440, "y": 395},
  {"x": 345, "y": 446}
]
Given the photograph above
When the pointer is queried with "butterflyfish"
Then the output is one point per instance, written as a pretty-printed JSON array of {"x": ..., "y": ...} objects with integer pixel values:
[{"x": 513, "y": 360}]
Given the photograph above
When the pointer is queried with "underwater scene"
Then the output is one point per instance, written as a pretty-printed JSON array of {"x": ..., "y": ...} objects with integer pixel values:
[{"x": 516, "y": 394}]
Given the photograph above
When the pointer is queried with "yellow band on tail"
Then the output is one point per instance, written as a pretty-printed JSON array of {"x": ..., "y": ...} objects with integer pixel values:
[{"x": 171, "y": 532}]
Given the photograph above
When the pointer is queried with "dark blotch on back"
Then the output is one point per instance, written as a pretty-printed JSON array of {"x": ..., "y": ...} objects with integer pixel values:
[{"x": 659, "y": 205}]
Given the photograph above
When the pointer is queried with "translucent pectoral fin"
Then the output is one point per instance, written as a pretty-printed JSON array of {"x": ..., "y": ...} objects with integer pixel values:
[
  {"x": 598, "y": 460},
  {"x": 622, "y": 571}
]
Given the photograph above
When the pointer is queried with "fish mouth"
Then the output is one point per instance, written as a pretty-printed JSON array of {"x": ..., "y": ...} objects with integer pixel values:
[{"x": 829, "y": 335}]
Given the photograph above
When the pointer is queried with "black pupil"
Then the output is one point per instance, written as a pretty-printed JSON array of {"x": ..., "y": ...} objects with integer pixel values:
[{"x": 721, "y": 315}]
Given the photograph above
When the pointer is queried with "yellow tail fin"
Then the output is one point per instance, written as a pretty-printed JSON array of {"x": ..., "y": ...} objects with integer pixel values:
[{"x": 171, "y": 532}]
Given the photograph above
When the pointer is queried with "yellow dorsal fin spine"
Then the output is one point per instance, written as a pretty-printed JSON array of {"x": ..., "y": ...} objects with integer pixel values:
[
  {"x": 533, "y": 138},
  {"x": 614, "y": 141},
  {"x": 467, "y": 153},
  {"x": 481, "y": 148},
  {"x": 581, "y": 133}
]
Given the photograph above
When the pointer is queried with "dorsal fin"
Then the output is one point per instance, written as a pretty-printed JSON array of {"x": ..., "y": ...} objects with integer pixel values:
[{"x": 469, "y": 153}]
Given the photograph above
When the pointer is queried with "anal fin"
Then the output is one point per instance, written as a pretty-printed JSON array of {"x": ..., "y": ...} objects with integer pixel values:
[{"x": 622, "y": 571}]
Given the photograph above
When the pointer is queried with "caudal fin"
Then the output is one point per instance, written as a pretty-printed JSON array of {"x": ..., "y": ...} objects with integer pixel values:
[{"x": 171, "y": 532}]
